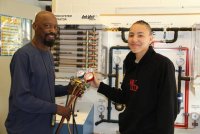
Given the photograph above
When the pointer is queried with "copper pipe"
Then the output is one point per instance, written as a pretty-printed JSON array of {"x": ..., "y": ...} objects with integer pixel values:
[
  {"x": 76, "y": 43},
  {"x": 67, "y": 57},
  {"x": 67, "y": 53},
  {"x": 77, "y": 38},
  {"x": 74, "y": 60},
  {"x": 76, "y": 66},
  {"x": 73, "y": 49},
  {"x": 75, "y": 55},
  {"x": 65, "y": 71},
  {"x": 73, "y": 32},
  {"x": 71, "y": 63}
]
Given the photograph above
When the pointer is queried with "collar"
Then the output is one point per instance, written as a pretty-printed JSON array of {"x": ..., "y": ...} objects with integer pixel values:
[{"x": 130, "y": 58}]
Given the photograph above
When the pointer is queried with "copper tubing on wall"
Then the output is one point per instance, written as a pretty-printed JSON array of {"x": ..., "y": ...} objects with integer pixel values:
[
  {"x": 76, "y": 43},
  {"x": 70, "y": 63},
  {"x": 72, "y": 49},
  {"x": 56, "y": 47},
  {"x": 75, "y": 48},
  {"x": 74, "y": 60},
  {"x": 76, "y": 32},
  {"x": 75, "y": 55},
  {"x": 72, "y": 57},
  {"x": 75, "y": 65},
  {"x": 67, "y": 52},
  {"x": 73, "y": 42},
  {"x": 65, "y": 70},
  {"x": 65, "y": 37}
]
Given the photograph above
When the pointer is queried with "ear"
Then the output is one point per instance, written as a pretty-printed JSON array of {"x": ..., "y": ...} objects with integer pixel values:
[
  {"x": 34, "y": 26},
  {"x": 151, "y": 39}
]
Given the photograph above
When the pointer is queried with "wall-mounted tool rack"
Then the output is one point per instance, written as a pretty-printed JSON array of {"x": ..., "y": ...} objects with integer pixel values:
[{"x": 76, "y": 48}]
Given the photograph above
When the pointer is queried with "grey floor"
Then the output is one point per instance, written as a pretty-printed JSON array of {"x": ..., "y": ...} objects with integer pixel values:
[
  {"x": 110, "y": 128},
  {"x": 183, "y": 131},
  {"x": 187, "y": 131}
]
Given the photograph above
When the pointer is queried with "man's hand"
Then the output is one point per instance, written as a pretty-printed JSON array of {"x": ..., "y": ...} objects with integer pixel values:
[
  {"x": 75, "y": 88},
  {"x": 63, "y": 111},
  {"x": 70, "y": 88}
]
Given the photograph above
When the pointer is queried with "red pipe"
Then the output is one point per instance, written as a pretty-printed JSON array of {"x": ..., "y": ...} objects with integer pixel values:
[{"x": 185, "y": 124}]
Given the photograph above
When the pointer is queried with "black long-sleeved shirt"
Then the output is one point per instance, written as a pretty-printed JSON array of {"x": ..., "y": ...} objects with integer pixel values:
[{"x": 149, "y": 92}]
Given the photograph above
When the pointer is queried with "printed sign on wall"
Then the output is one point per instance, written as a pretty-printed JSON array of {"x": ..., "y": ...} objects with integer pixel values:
[{"x": 14, "y": 32}]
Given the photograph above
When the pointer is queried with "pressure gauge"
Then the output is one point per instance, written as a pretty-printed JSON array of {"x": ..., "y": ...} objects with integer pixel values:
[
  {"x": 101, "y": 108},
  {"x": 195, "y": 116},
  {"x": 80, "y": 74},
  {"x": 117, "y": 60},
  {"x": 180, "y": 61},
  {"x": 89, "y": 76}
]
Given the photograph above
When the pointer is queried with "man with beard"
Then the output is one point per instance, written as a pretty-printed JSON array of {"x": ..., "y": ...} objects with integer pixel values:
[{"x": 33, "y": 90}]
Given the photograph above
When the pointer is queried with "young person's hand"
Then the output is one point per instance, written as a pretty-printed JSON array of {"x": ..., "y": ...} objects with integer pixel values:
[{"x": 95, "y": 82}]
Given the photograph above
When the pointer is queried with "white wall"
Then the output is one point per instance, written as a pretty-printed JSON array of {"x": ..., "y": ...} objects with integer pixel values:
[
  {"x": 122, "y": 13},
  {"x": 99, "y": 7},
  {"x": 17, "y": 9},
  {"x": 123, "y": 6}
]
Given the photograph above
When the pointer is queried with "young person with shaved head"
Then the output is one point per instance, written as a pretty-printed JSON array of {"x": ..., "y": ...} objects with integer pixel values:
[
  {"x": 33, "y": 89},
  {"x": 148, "y": 89}
]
